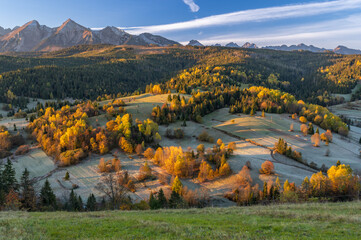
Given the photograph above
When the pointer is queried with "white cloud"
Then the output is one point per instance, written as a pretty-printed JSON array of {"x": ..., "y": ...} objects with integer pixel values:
[
  {"x": 192, "y": 5},
  {"x": 325, "y": 34},
  {"x": 254, "y": 15}
]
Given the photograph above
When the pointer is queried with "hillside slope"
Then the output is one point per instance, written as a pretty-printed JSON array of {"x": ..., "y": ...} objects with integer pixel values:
[{"x": 295, "y": 221}]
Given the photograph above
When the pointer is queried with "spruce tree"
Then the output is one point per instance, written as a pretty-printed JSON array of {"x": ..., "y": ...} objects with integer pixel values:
[
  {"x": 163, "y": 203},
  {"x": 2, "y": 193},
  {"x": 91, "y": 204},
  {"x": 47, "y": 196},
  {"x": 80, "y": 205},
  {"x": 175, "y": 200},
  {"x": 27, "y": 192},
  {"x": 8, "y": 177},
  {"x": 153, "y": 202},
  {"x": 73, "y": 203}
]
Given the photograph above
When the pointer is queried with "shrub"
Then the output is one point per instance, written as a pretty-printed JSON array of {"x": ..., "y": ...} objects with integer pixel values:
[
  {"x": 248, "y": 165},
  {"x": 267, "y": 168},
  {"x": 303, "y": 119},
  {"x": 177, "y": 133},
  {"x": 318, "y": 120},
  {"x": 20, "y": 114},
  {"x": 204, "y": 137},
  {"x": 304, "y": 129},
  {"x": 145, "y": 172},
  {"x": 149, "y": 153},
  {"x": 327, "y": 136}
]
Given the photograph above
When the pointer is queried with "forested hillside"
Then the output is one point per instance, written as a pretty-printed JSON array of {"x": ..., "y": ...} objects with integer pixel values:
[{"x": 90, "y": 71}]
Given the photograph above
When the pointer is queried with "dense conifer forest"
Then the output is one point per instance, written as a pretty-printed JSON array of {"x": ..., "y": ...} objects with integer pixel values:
[{"x": 86, "y": 72}]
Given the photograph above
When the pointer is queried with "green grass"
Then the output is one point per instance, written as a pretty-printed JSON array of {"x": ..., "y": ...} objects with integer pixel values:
[{"x": 298, "y": 221}]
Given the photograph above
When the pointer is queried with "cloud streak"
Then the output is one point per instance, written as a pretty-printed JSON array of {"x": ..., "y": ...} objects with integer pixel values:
[
  {"x": 192, "y": 5},
  {"x": 254, "y": 15},
  {"x": 330, "y": 33}
]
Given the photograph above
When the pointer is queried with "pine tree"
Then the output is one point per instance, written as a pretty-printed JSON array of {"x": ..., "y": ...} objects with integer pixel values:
[
  {"x": 2, "y": 192},
  {"x": 73, "y": 203},
  {"x": 153, "y": 202},
  {"x": 80, "y": 205},
  {"x": 8, "y": 177},
  {"x": 163, "y": 203},
  {"x": 91, "y": 204},
  {"x": 310, "y": 129},
  {"x": 175, "y": 200},
  {"x": 47, "y": 196},
  {"x": 27, "y": 192}
]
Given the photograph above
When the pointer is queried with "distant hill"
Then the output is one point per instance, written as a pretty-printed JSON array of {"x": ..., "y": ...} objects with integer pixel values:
[
  {"x": 232, "y": 44},
  {"x": 195, "y": 43},
  {"x": 346, "y": 50},
  {"x": 249, "y": 45},
  {"x": 298, "y": 47},
  {"x": 311, "y": 48},
  {"x": 35, "y": 37}
]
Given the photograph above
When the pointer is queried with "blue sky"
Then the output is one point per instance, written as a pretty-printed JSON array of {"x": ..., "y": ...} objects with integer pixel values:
[{"x": 264, "y": 22}]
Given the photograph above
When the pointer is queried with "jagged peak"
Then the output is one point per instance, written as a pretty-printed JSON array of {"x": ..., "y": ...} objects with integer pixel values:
[
  {"x": 33, "y": 23},
  {"x": 194, "y": 42},
  {"x": 69, "y": 24}
]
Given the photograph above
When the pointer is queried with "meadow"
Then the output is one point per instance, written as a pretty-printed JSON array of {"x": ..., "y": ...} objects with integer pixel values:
[{"x": 289, "y": 221}]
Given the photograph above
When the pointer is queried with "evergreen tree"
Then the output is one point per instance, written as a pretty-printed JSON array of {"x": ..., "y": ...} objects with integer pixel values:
[
  {"x": 91, "y": 204},
  {"x": 153, "y": 202},
  {"x": 27, "y": 192},
  {"x": 175, "y": 200},
  {"x": 47, "y": 196},
  {"x": 8, "y": 177},
  {"x": 2, "y": 191},
  {"x": 163, "y": 203},
  {"x": 73, "y": 203},
  {"x": 310, "y": 130},
  {"x": 80, "y": 205}
]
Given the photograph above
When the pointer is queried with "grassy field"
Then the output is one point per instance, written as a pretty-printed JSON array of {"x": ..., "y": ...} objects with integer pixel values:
[{"x": 298, "y": 221}]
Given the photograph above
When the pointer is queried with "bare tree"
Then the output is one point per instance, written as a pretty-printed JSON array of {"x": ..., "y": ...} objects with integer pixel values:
[{"x": 112, "y": 189}]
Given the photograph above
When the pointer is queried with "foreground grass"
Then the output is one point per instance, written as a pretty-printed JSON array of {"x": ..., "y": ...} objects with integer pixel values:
[{"x": 298, "y": 221}]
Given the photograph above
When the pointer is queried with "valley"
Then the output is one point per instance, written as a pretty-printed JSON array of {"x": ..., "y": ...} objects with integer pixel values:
[{"x": 210, "y": 119}]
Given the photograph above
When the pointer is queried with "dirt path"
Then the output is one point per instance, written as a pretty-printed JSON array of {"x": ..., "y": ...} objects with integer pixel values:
[{"x": 37, "y": 179}]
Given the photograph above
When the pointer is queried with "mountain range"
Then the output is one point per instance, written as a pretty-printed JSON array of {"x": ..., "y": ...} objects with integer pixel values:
[
  {"x": 35, "y": 37},
  {"x": 303, "y": 47},
  {"x": 300, "y": 47}
]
